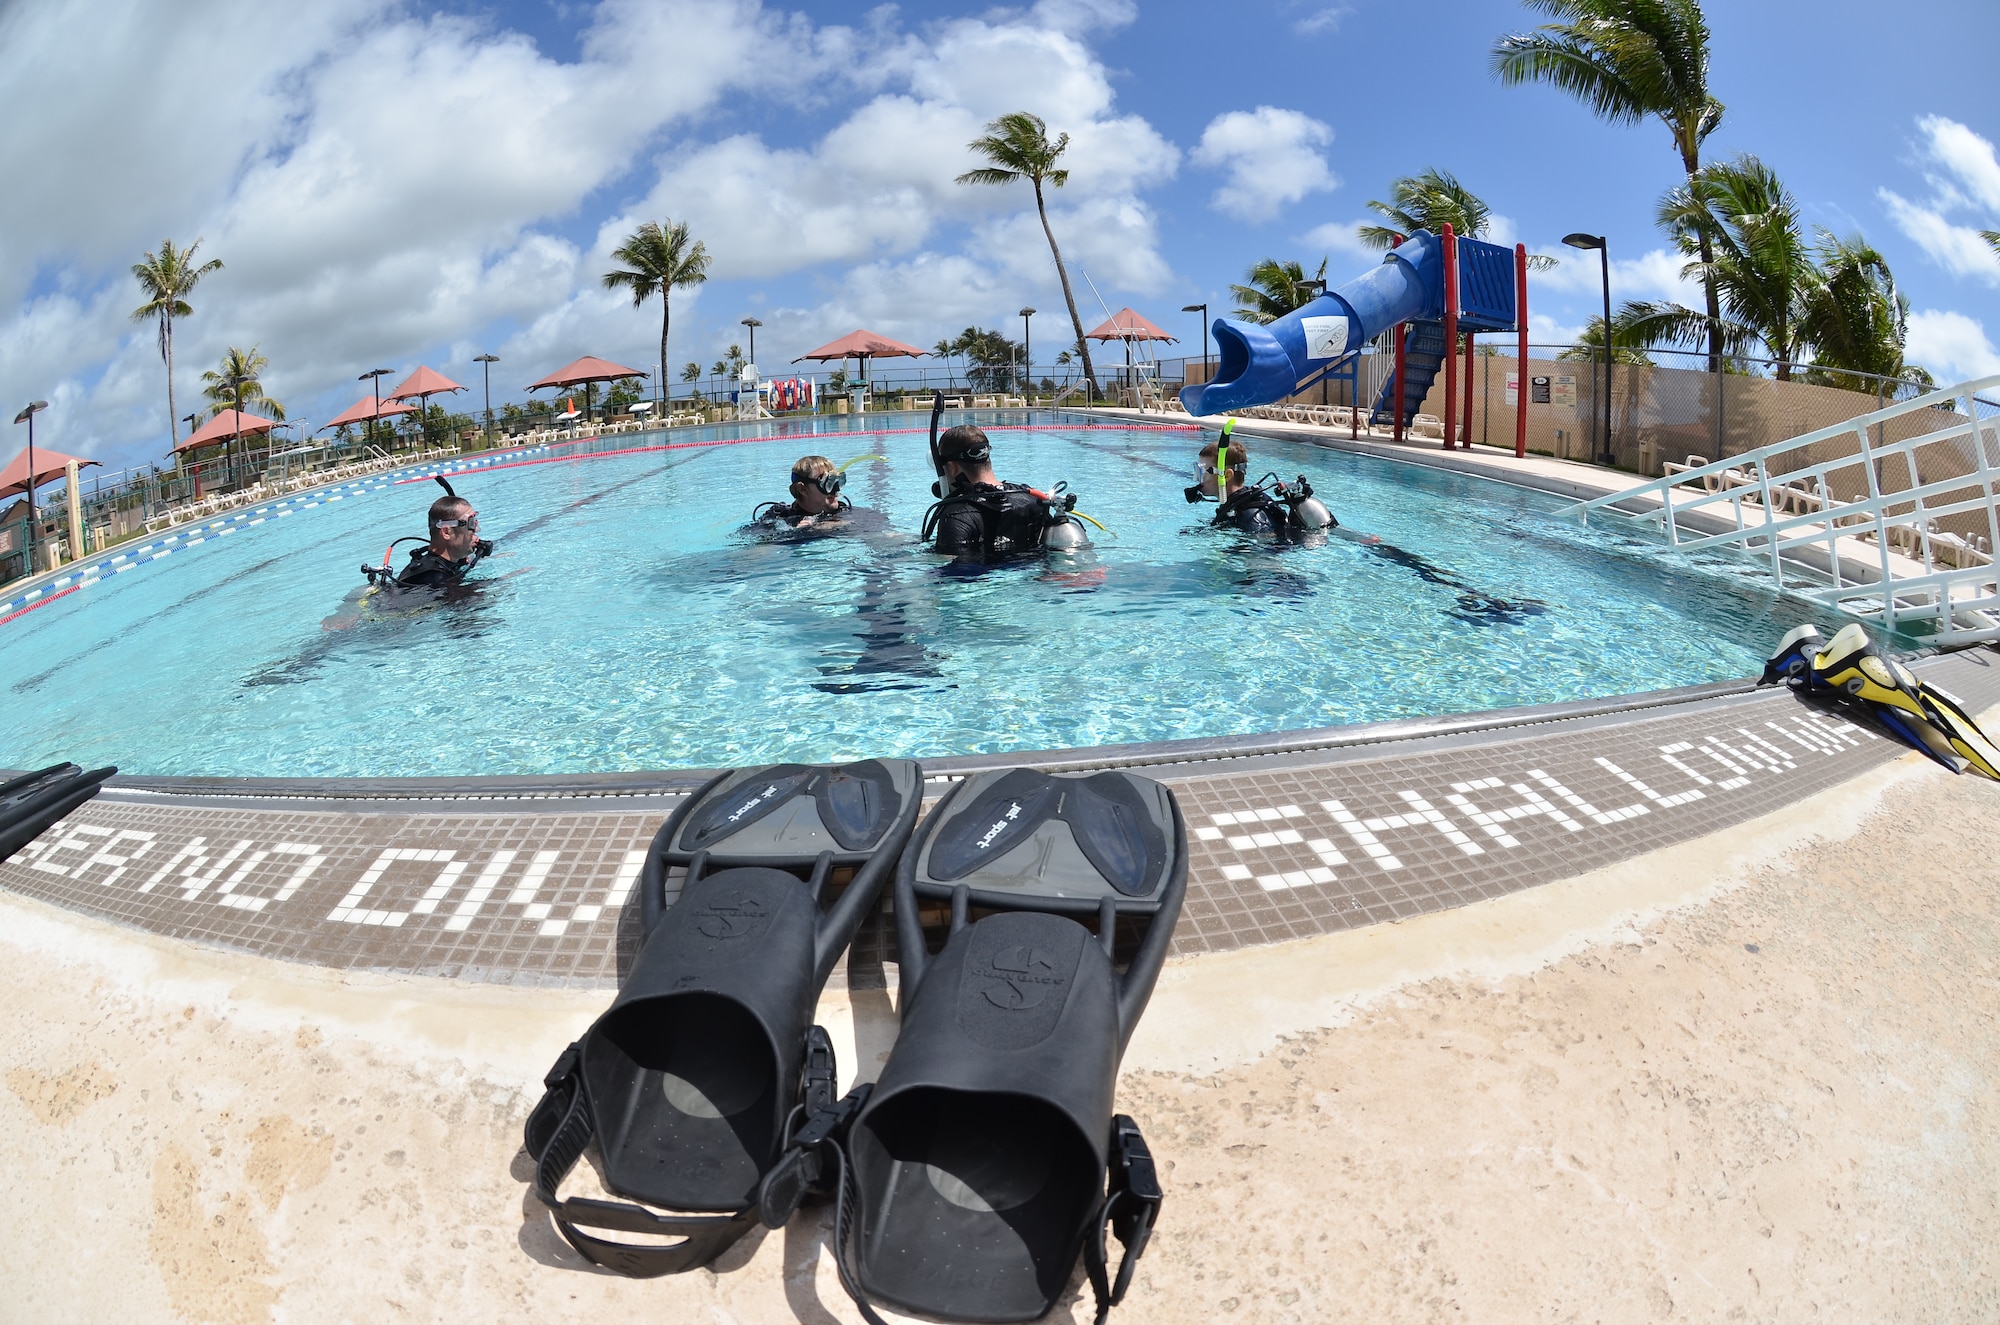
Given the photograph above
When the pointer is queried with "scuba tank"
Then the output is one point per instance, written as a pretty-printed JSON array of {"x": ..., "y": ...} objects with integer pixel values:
[
  {"x": 1308, "y": 511},
  {"x": 1065, "y": 532}
]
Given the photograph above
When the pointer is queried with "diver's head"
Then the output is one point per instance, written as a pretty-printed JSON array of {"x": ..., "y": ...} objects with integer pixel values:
[
  {"x": 454, "y": 527},
  {"x": 816, "y": 484},
  {"x": 966, "y": 454},
  {"x": 1234, "y": 458}
]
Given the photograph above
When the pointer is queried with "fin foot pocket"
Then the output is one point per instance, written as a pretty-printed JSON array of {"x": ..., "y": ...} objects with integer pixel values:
[{"x": 693, "y": 1080}]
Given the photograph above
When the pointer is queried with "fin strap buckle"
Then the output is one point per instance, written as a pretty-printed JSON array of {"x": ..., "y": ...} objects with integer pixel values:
[
  {"x": 1131, "y": 1206},
  {"x": 814, "y": 1154}
]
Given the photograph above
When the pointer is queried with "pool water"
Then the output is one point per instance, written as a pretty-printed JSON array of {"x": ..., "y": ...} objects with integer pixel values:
[{"x": 629, "y": 621}]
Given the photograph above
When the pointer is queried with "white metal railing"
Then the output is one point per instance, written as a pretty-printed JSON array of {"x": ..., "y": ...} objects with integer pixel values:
[{"x": 1898, "y": 528}]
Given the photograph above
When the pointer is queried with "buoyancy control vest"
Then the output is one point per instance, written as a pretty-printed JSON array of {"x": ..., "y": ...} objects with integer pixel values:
[{"x": 990, "y": 521}]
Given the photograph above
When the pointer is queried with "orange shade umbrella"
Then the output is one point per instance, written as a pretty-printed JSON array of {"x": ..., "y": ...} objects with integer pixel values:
[
  {"x": 225, "y": 426},
  {"x": 1126, "y": 325},
  {"x": 589, "y": 368},
  {"x": 363, "y": 410},
  {"x": 862, "y": 345},
  {"x": 49, "y": 466},
  {"x": 423, "y": 384}
]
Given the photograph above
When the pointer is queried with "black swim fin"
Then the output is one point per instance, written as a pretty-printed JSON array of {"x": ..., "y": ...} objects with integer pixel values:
[
  {"x": 31, "y": 803},
  {"x": 706, "y": 1062},
  {"x": 988, "y": 1158}
]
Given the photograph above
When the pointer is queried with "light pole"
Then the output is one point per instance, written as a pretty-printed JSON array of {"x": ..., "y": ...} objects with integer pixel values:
[
  {"x": 190, "y": 421},
  {"x": 1027, "y": 350},
  {"x": 27, "y": 416},
  {"x": 236, "y": 439},
  {"x": 753, "y": 324},
  {"x": 486, "y": 362},
  {"x": 1598, "y": 242},
  {"x": 1203, "y": 310},
  {"x": 374, "y": 378}
]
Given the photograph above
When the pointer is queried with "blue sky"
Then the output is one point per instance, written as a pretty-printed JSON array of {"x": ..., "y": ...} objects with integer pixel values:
[{"x": 391, "y": 184}]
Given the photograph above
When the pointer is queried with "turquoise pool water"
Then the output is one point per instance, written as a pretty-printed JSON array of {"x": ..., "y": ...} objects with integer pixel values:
[{"x": 629, "y": 621}]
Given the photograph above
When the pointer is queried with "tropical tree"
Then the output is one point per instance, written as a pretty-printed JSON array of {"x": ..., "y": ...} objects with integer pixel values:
[
  {"x": 1275, "y": 288},
  {"x": 1742, "y": 226},
  {"x": 1632, "y": 335},
  {"x": 1431, "y": 201},
  {"x": 1855, "y": 318},
  {"x": 731, "y": 362},
  {"x": 1629, "y": 60},
  {"x": 1992, "y": 237},
  {"x": 990, "y": 358},
  {"x": 1018, "y": 146},
  {"x": 237, "y": 384},
  {"x": 659, "y": 259},
  {"x": 167, "y": 278}
]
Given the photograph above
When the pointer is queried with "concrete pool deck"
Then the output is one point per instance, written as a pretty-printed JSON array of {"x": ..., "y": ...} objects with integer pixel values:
[
  {"x": 1746, "y": 1076},
  {"x": 1662, "y": 1054}
]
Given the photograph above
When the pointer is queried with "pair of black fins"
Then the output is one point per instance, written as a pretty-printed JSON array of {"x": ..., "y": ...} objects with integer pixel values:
[
  {"x": 33, "y": 802},
  {"x": 987, "y": 1158},
  {"x": 1925, "y": 717}
]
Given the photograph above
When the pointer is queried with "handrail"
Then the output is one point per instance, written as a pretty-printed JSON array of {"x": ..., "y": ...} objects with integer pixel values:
[{"x": 1818, "y": 547}]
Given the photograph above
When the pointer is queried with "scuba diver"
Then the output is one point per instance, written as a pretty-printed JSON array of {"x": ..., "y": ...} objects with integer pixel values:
[
  {"x": 454, "y": 548},
  {"x": 817, "y": 503},
  {"x": 980, "y": 518},
  {"x": 1270, "y": 507}
]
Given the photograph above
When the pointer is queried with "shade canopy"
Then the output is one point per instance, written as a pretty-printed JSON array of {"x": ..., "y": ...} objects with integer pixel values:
[
  {"x": 862, "y": 345},
  {"x": 1128, "y": 326},
  {"x": 589, "y": 368},
  {"x": 423, "y": 382},
  {"x": 225, "y": 426},
  {"x": 363, "y": 410},
  {"x": 49, "y": 466}
]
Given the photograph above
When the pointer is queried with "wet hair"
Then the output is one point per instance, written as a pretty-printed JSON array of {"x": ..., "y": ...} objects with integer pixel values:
[
  {"x": 809, "y": 468},
  {"x": 448, "y": 508},
  {"x": 965, "y": 444},
  {"x": 1239, "y": 456}
]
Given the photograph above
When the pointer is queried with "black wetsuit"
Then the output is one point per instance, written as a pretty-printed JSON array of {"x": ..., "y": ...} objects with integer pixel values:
[
  {"x": 1255, "y": 511},
  {"x": 429, "y": 569},
  {"x": 989, "y": 522},
  {"x": 787, "y": 515}
]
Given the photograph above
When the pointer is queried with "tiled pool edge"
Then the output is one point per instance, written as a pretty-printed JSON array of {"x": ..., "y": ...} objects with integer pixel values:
[{"x": 526, "y": 885}]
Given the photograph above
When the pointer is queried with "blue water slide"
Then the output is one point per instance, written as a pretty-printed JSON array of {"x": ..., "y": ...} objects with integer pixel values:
[{"x": 1261, "y": 363}]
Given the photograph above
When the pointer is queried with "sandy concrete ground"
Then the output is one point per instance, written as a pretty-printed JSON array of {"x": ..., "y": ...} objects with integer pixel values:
[{"x": 1750, "y": 1078}]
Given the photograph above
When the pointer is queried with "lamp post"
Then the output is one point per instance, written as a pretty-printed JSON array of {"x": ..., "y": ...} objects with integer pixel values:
[
  {"x": 1027, "y": 352},
  {"x": 374, "y": 378},
  {"x": 1203, "y": 310},
  {"x": 1598, "y": 242},
  {"x": 486, "y": 362},
  {"x": 190, "y": 421},
  {"x": 236, "y": 439},
  {"x": 27, "y": 416},
  {"x": 753, "y": 324}
]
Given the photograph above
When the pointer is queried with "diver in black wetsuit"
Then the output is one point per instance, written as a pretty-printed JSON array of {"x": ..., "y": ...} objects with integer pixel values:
[
  {"x": 1268, "y": 508},
  {"x": 816, "y": 500},
  {"x": 455, "y": 547},
  {"x": 983, "y": 519}
]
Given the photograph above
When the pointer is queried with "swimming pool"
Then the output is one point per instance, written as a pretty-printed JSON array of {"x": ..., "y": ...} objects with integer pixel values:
[{"x": 629, "y": 621}]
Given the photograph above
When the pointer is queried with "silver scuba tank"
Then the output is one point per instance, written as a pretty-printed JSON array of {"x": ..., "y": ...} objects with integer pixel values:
[
  {"x": 1065, "y": 534},
  {"x": 1311, "y": 513}
]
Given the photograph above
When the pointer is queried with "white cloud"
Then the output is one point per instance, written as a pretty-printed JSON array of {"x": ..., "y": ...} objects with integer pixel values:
[
  {"x": 1959, "y": 249},
  {"x": 1655, "y": 274},
  {"x": 1271, "y": 156},
  {"x": 1951, "y": 345},
  {"x": 384, "y": 183},
  {"x": 1342, "y": 238},
  {"x": 1970, "y": 180},
  {"x": 1321, "y": 21},
  {"x": 1969, "y": 157}
]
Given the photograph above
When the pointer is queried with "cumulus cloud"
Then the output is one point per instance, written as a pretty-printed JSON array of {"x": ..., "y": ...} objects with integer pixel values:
[
  {"x": 1952, "y": 346},
  {"x": 1343, "y": 238},
  {"x": 1271, "y": 157},
  {"x": 384, "y": 182},
  {"x": 1655, "y": 274},
  {"x": 1964, "y": 175},
  {"x": 1321, "y": 21}
]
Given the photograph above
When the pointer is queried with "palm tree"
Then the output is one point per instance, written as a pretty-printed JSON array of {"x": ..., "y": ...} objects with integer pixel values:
[
  {"x": 659, "y": 259},
  {"x": 237, "y": 382},
  {"x": 1628, "y": 60},
  {"x": 1856, "y": 319},
  {"x": 1431, "y": 201},
  {"x": 1018, "y": 146},
  {"x": 1631, "y": 335},
  {"x": 167, "y": 278},
  {"x": 1275, "y": 289},
  {"x": 1758, "y": 265},
  {"x": 1992, "y": 237}
]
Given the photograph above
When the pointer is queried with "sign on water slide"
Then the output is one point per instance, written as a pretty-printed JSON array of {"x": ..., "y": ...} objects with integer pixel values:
[{"x": 1326, "y": 337}]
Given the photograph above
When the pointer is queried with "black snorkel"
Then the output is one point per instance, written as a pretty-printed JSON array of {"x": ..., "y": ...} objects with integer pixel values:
[{"x": 941, "y": 488}]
